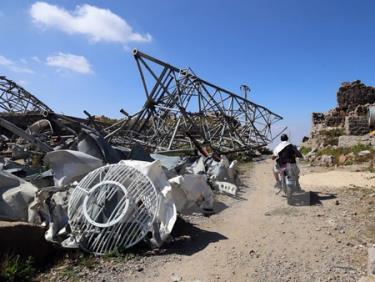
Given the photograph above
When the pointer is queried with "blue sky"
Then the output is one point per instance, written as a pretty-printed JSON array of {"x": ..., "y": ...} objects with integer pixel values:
[{"x": 293, "y": 54}]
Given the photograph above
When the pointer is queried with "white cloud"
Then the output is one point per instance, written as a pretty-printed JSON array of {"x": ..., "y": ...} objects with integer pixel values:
[
  {"x": 96, "y": 23},
  {"x": 5, "y": 62},
  {"x": 71, "y": 62},
  {"x": 35, "y": 59},
  {"x": 9, "y": 64},
  {"x": 23, "y": 83}
]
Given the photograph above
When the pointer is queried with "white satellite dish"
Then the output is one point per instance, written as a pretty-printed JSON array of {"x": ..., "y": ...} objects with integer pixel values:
[{"x": 112, "y": 207}]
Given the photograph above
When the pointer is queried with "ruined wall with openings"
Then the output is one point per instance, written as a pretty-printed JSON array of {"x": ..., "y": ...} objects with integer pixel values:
[{"x": 349, "y": 117}]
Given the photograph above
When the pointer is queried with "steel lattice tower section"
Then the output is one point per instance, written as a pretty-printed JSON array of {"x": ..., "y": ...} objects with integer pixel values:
[
  {"x": 15, "y": 99},
  {"x": 182, "y": 110}
]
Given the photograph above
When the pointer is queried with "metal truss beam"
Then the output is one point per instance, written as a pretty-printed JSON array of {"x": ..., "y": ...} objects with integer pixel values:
[
  {"x": 15, "y": 99},
  {"x": 182, "y": 109}
]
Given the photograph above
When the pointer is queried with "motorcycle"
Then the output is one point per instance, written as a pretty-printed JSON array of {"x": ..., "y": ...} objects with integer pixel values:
[{"x": 288, "y": 182}]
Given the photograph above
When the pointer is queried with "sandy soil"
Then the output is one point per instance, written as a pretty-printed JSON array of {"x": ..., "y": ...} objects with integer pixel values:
[
  {"x": 258, "y": 237},
  {"x": 338, "y": 179}
]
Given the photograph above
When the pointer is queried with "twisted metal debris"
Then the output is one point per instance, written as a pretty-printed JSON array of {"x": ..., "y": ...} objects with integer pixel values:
[
  {"x": 15, "y": 99},
  {"x": 183, "y": 111},
  {"x": 135, "y": 197}
]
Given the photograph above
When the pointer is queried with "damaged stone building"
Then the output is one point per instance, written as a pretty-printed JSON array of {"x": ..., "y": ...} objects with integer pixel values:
[{"x": 350, "y": 123}]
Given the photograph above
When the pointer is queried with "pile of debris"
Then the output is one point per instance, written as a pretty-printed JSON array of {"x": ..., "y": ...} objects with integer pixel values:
[
  {"x": 96, "y": 196},
  {"x": 39, "y": 184},
  {"x": 112, "y": 205},
  {"x": 101, "y": 184},
  {"x": 350, "y": 125}
]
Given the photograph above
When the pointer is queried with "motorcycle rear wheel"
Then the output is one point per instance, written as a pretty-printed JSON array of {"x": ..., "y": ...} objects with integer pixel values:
[{"x": 289, "y": 195}]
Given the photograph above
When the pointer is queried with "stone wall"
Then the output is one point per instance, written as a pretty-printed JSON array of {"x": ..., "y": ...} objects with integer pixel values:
[
  {"x": 318, "y": 118},
  {"x": 353, "y": 99},
  {"x": 356, "y": 125},
  {"x": 345, "y": 126},
  {"x": 350, "y": 117},
  {"x": 350, "y": 141},
  {"x": 350, "y": 95},
  {"x": 334, "y": 118}
]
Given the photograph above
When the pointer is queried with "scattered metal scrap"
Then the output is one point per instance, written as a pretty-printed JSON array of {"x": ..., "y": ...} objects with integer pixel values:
[{"x": 25, "y": 135}]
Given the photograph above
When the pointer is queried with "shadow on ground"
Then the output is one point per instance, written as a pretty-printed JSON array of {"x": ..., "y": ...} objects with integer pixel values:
[
  {"x": 189, "y": 239},
  {"x": 311, "y": 198},
  {"x": 219, "y": 206}
]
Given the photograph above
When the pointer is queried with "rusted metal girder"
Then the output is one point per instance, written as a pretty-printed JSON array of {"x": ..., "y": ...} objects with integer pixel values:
[{"x": 178, "y": 101}]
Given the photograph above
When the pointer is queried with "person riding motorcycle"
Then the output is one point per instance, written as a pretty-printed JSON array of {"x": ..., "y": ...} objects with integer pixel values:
[{"x": 285, "y": 153}]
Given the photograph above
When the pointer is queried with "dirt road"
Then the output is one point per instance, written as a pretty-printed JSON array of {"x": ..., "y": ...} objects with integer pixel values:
[{"x": 260, "y": 238}]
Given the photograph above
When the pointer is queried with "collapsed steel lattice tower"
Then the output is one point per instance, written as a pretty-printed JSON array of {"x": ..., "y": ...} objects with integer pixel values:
[
  {"x": 183, "y": 110},
  {"x": 15, "y": 99}
]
